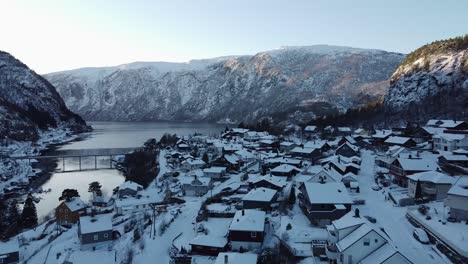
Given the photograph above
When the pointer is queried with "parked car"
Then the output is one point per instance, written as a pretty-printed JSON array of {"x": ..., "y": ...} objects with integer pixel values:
[
  {"x": 421, "y": 235},
  {"x": 371, "y": 219}
]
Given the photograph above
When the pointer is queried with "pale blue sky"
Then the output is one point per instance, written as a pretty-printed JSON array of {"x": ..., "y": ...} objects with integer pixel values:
[{"x": 56, "y": 35}]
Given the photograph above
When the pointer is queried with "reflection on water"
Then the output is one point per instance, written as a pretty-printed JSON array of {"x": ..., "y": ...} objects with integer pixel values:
[{"x": 108, "y": 135}]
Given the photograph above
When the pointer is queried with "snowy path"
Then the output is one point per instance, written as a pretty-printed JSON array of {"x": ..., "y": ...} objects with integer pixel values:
[{"x": 390, "y": 217}]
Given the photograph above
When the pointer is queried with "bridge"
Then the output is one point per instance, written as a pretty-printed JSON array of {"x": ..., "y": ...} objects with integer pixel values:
[{"x": 80, "y": 154}]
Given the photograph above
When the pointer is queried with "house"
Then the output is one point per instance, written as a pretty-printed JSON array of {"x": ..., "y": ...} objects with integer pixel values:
[
  {"x": 321, "y": 175},
  {"x": 129, "y": 188},
  {"x": 305, "y": 153},
  {"x": 450, "y": 142},
  {"x": 214, "y": 172},
  {"x": 9, "y": 252},
  {"x": 269, "y": 144},
  {"x": 310, "y": 130},
  {"x": 380, "y": 136},
  {"x": 196, "y": 186},
  {"x": 350, "y": 180},
  {"x": 275, "y": 162},
  {"x": 400, "y": 141},
  {"x": 235, "y": 258},
  {"x": 239, "y": 132},
  {"x": 68, "y": 212},
  {"x": 245, "y": 155},
  {"x": 393, "y": 152},
  {"x": 95, "y": 230},
  {"x": 347, "y": 150},
  {"x": 453, "y": 163},
  {"x": 260, "y": 198},
  {"x": 323, "y": 203},
  {"x": 231, "y": 162},
  {"x": 285, "y": 170},
  {"x": 457, "y": 199},
  {"x": 193, "y": 164},
  {"x": 433, "y": 185},
  {"x": 344, "y": 131},
  {"x": 352, "y": 240},
  {"x": 208, "y": 245},
  {"x": 270, "y": 182},
  {"x": 361, "y": 132},
  {"x": 401, "y": 168},
  {"x": 129, "y": 205},
  {"x": 247, "y": 229},
  {"x": 448, "y": 124},
  {"x": 345, "y": 139},
  {"x": 321, "y": 145},
  {"x": 231, "y": 148},
  {"x": 287, "y": 146}
]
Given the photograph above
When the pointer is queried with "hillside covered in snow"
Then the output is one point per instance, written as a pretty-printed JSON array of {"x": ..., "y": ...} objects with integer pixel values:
[
  {"x": 295, "y": 83},
  {"x": 432, "y": 82},
  {"x": 29, "y": 104}
]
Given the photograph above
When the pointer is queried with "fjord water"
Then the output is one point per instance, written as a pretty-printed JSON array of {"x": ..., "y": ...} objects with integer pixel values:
[{"x": 109, "y": 135}]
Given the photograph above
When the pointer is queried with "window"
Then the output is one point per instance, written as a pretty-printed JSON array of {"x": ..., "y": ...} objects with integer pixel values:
[
  {"x": 96, "y": 237},
  {"x": 376, "y": 240},
  {"x": 106, "y": 235},
  {"x": 253, "y": 234},
  {"x": 366, "y": 241}
]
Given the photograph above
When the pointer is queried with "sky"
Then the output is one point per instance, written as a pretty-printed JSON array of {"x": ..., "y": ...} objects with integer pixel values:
[{"x": 55, "y": 35}]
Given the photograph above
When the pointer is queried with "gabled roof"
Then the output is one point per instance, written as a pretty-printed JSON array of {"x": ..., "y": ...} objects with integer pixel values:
[
  {"x": 275, "y": 180},
  {"x": 460, "y": 188},
  {"x": 243, "y": 258},
  {"x": 418, "y": 164},
  {"x": 130, "y": 185},
  {"x": 75, "y": 204},
  {"x": 9, "y": 246},
  {"x": 382, "y": 133},
  {"x": 433, "y": 176},
  {"x": 209, "y": 241},
  {"x": 310, "y": 128},
  {"x": 380, "y": 255},
  {"x": 443, "y": 123},
  {"x": 97, "y": 223},
  {"x": 348, "y": 220},
  {"x": 214, "y": 169},
  {"x": 285, "y": 168},
  {"x": 248, "y": 220},
  {"x": 302, "y": 150},
  {"x": 353, "y": 237},
  {"x": 450, "y": 137},
  {"x": 328, "y": 193},
  {"x": 260, "y": 194},
  {"x": 354, "y": 148},
  {"x": 231, "y": 158},
  {"x": 397, "y": 140}
]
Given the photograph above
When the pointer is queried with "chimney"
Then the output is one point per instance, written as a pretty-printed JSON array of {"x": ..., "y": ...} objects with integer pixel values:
[
  {"x": 243, "y": 212},
  {"x": 226, "y": 259},
  {"x": 356, "y": 212}
]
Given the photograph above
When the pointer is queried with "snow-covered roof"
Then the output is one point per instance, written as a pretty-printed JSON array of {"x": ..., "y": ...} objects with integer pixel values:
[
  {"x": 194, "y": 162},
  {"x": 433, "y": 176},
  {"x": 193, "y": 180},
  {"x": 359, "y": 130},
  {"x": 9, "y": 246},
  {"x": 451, "y": 157},
  {"x": 344, "y": 129},
  {"x": 285, "y": 168},
  {"x": 130, "y": 185},
  {"x": 382, "y": 133},
  {"x": 315, "y": 144},
  {"x": 215, "y": 169},
  {"x": 275, "y": 180},
  {"x": 351, "y": 146},
  {"x": 310, "y": 128},
  {"x": 350, "y": 139},
  {"x": 243, "y": 153},
  {"x": 450, "y": 137},
  {"x": 231, "y": 158},
  {"x": 240, "y": 130},
  {"x": 380, "y": 255},
  {"x": 97, "y": 223},
  {"x": 287, "y": 143},
  {"x": 303, "y": 150},
  {"x": 418, "y": 164},
  {"x": 267, "y": 141},
  {"x": 347, "y": 220},
  {"x": 209, "y": 241},
  {"x": 443, "y": 123},
  {"x": 234, "y": 258},
  {"x": 284, "y": 160},
  {"x": 460, "y": 188},
  {"x": 328, "y": 193},
  {"x": 75, "y": 204},
  {"x": 460, "y": 151},
  {"x": 397, "y": 140},
  {"x": 232, "y": 147},
  {"x": 260, "y": 194},
  {"x": 248, "y": 220},
  {"x": 434, "y": 130},
  {"x": 354, "y": 236}
]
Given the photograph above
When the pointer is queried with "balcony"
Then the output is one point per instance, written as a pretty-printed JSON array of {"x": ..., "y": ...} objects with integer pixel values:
[{"x": 331, "y": 251}]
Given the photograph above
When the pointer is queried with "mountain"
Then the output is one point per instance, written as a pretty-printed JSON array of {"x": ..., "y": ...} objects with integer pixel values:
[
  {"x": 290, "y": 83},
  {"x": 29, "y": 103},
  {"x": 432, "y": 82}
]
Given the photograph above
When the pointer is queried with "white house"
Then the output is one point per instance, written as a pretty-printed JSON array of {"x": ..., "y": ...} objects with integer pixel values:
[
  {"x": 434, "y": 185},
  {"x": 214, "y": 172},
  {"x": 192, "y": 164},
  {"x": 352, "y": 240},
  {"x": 457, "y": 199},
  {"x": 450, "y": 142}
]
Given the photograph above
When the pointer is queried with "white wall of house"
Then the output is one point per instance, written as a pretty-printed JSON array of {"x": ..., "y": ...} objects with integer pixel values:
[
  {"x": 359, "y": 250},
  {"x": 445, "y": 145}
]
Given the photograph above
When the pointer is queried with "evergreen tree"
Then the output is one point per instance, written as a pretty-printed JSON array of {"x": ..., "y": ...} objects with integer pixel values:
[
  {"x": 292, "y": 196},
  {"x": 68, "y": 194},
  {"x": 29, "y": 214},
  {"x": 195, "y": 152},
  {"x": 95, "y": 188},
  {"x": 205, "y": 158}
]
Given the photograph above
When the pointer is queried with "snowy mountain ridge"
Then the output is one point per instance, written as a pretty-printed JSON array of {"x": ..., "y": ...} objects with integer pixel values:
[{"x": 288, "y": 83}]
